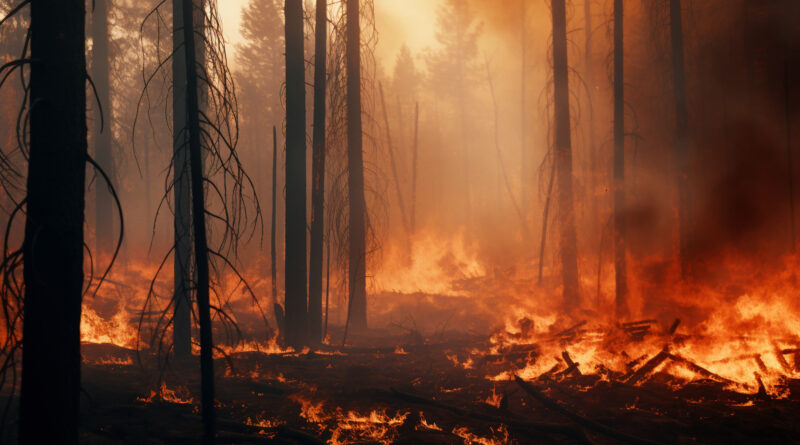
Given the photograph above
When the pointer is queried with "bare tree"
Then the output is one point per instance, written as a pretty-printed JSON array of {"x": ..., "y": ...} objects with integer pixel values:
[
  {"x": 296, "y": 252},
  {"x": 681, "y": 133},
  {"x": 568, "y": 240},
  {"x": 357, "y": 314},
  {"x": 53, "y": 246},
  {"x": 318, "y": 176},
  {"x": 619, "y": 164}
]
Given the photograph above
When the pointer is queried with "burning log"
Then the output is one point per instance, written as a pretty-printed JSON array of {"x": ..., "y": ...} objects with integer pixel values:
[
  {"x": 569, "y": 334},
  {"x": 648, "y": 367},
  {"x": 674, "y": 326},
  {"x": 694, "y": 367},
  {"x": 572, "y": 367},
  {"x": 580, "y": 420}
]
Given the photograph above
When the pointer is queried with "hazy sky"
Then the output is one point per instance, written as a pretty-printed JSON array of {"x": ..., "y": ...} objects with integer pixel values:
[{"x": 398, "y": 21}]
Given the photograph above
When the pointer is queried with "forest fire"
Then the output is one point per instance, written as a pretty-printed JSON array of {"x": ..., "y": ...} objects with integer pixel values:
[{"x": 418, "y": 222}]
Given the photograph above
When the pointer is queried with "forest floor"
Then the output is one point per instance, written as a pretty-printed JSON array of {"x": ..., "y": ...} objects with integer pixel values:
[{"x": 407, "y": 390}]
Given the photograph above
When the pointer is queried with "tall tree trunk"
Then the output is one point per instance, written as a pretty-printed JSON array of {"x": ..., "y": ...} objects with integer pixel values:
[
  {"x": 182, "y": 257},
  {"x": 681, "y": 134},
  {"x": 414, "y": 162},
  {"x": 563, "y": 157},
  {"x": 273, "y": 229},
  {"x": 199, "y": 225},
  {"x": 524, "y": 109},
  {"x": 357, "y": 314},
  {"x": 593, "y": 179},
  {"x": 53, "y": 245},
  {"x": 296, "y": 265},
  {"x": 620, "y": 269},
  {"x": 400, "y": 202},
  {"x": 102, "y": 150},
  {"x": 318, "y": 175}
]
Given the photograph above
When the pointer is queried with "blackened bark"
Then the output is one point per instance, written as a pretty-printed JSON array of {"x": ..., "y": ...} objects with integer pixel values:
[
  {"x": 355, "y": 167},
  {"x": 199, "y": 227},
  {"x": 318, "y": 175},
  {"x": 296, "y": 259},
  {"x": 102, "y": 147},
  {"x": 563, "y": 157},
  {"x": 182, "y": 259},
  {"x": 681, "y": 134},
  {"x": 53, "y": 245},
  {"x": 273, "y": 238},
  {"x": 620, "y": 270}
]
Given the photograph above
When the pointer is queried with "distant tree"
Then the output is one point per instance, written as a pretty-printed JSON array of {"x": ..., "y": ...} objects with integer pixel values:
[
  {"x": 452, "y": 71},
  {"x": 620, "y": 270},
  {"x": 318, "y": 174},
  {"x": 260, "y": 68},
  {"x": 357, "y": 314},
  {"x": 568, "y": 239},
  {"x": 296, "y": 252},
  {"x": 101, "y": 67},
  {"x": 54, "y": 210}
]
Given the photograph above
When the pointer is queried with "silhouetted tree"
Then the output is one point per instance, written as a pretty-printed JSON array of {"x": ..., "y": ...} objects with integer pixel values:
[
  {"x": 318, "y": 175},
  {"x": 681, "y": 132},
  {"x": 619, "y": 163},
  {"x": 53, "y": 245},
  {"x": 296, "y": 253},
  {"x": 357, "y": 314},
  {"x": 568, "y": 242}
]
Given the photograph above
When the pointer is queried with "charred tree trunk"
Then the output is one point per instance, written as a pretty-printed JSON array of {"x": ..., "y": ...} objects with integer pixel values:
[
  {"x": 199, "y": 225},
  {"x": 357, "y": 314},
  {"x": 563, "y": 157},
  {"x": 789, "y": 162},
  {"x": 273, "y": 228},
  {"x": 318, "y": 175},
  {"x": 681, "y": 134},
  {"x": 296, "y": 265},
  {"x": 620, "y": 270},
  {"x": 53, "y": 245},
  {"x": 524, "y": 109},
  {"x": 102, "y": 149},
  {"x": 182, "y": 257}
]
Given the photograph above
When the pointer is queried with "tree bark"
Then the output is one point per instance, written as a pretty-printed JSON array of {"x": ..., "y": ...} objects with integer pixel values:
[
  {"x": 681, "y": 134},
  {"x": 53, "y": 244},
  {"x": 357, "y": 314},
  {"x": 182, "y": 257},
  {"x": 296, "y": 265},
  {"x": 273, "y": 227},
  {"x": 199, "y": 226},
  {"x": 101, "y": 57},
  {"x": 620, "y": 270},
  {"x": 318, "y": 175},
  {"x": 563, "y": 158}
]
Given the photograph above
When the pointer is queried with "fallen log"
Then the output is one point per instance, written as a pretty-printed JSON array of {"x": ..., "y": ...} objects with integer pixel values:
[
  {"x": 580, "y": 420},
  {"x": 648, "y": 367},
  {"x": 531, "y": 429},
  {"x": 694, "y": 367}
]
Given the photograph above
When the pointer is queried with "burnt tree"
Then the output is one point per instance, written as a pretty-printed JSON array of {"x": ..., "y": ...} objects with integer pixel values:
[
  {"x": 357, "y": 314},
  {"x": 53, "y": 244},
  {"x": 199, "y": 223},
  {"x": 296, "y": 259},
  {"x": 182, "y": 259},
  {"x": 102, "y": 139},
  {"x": 568, "y": 239},
  {"x": 620, "y": 270},
  {"x": 681, "y": 133},
  {"x": 318, "y": 176}
]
